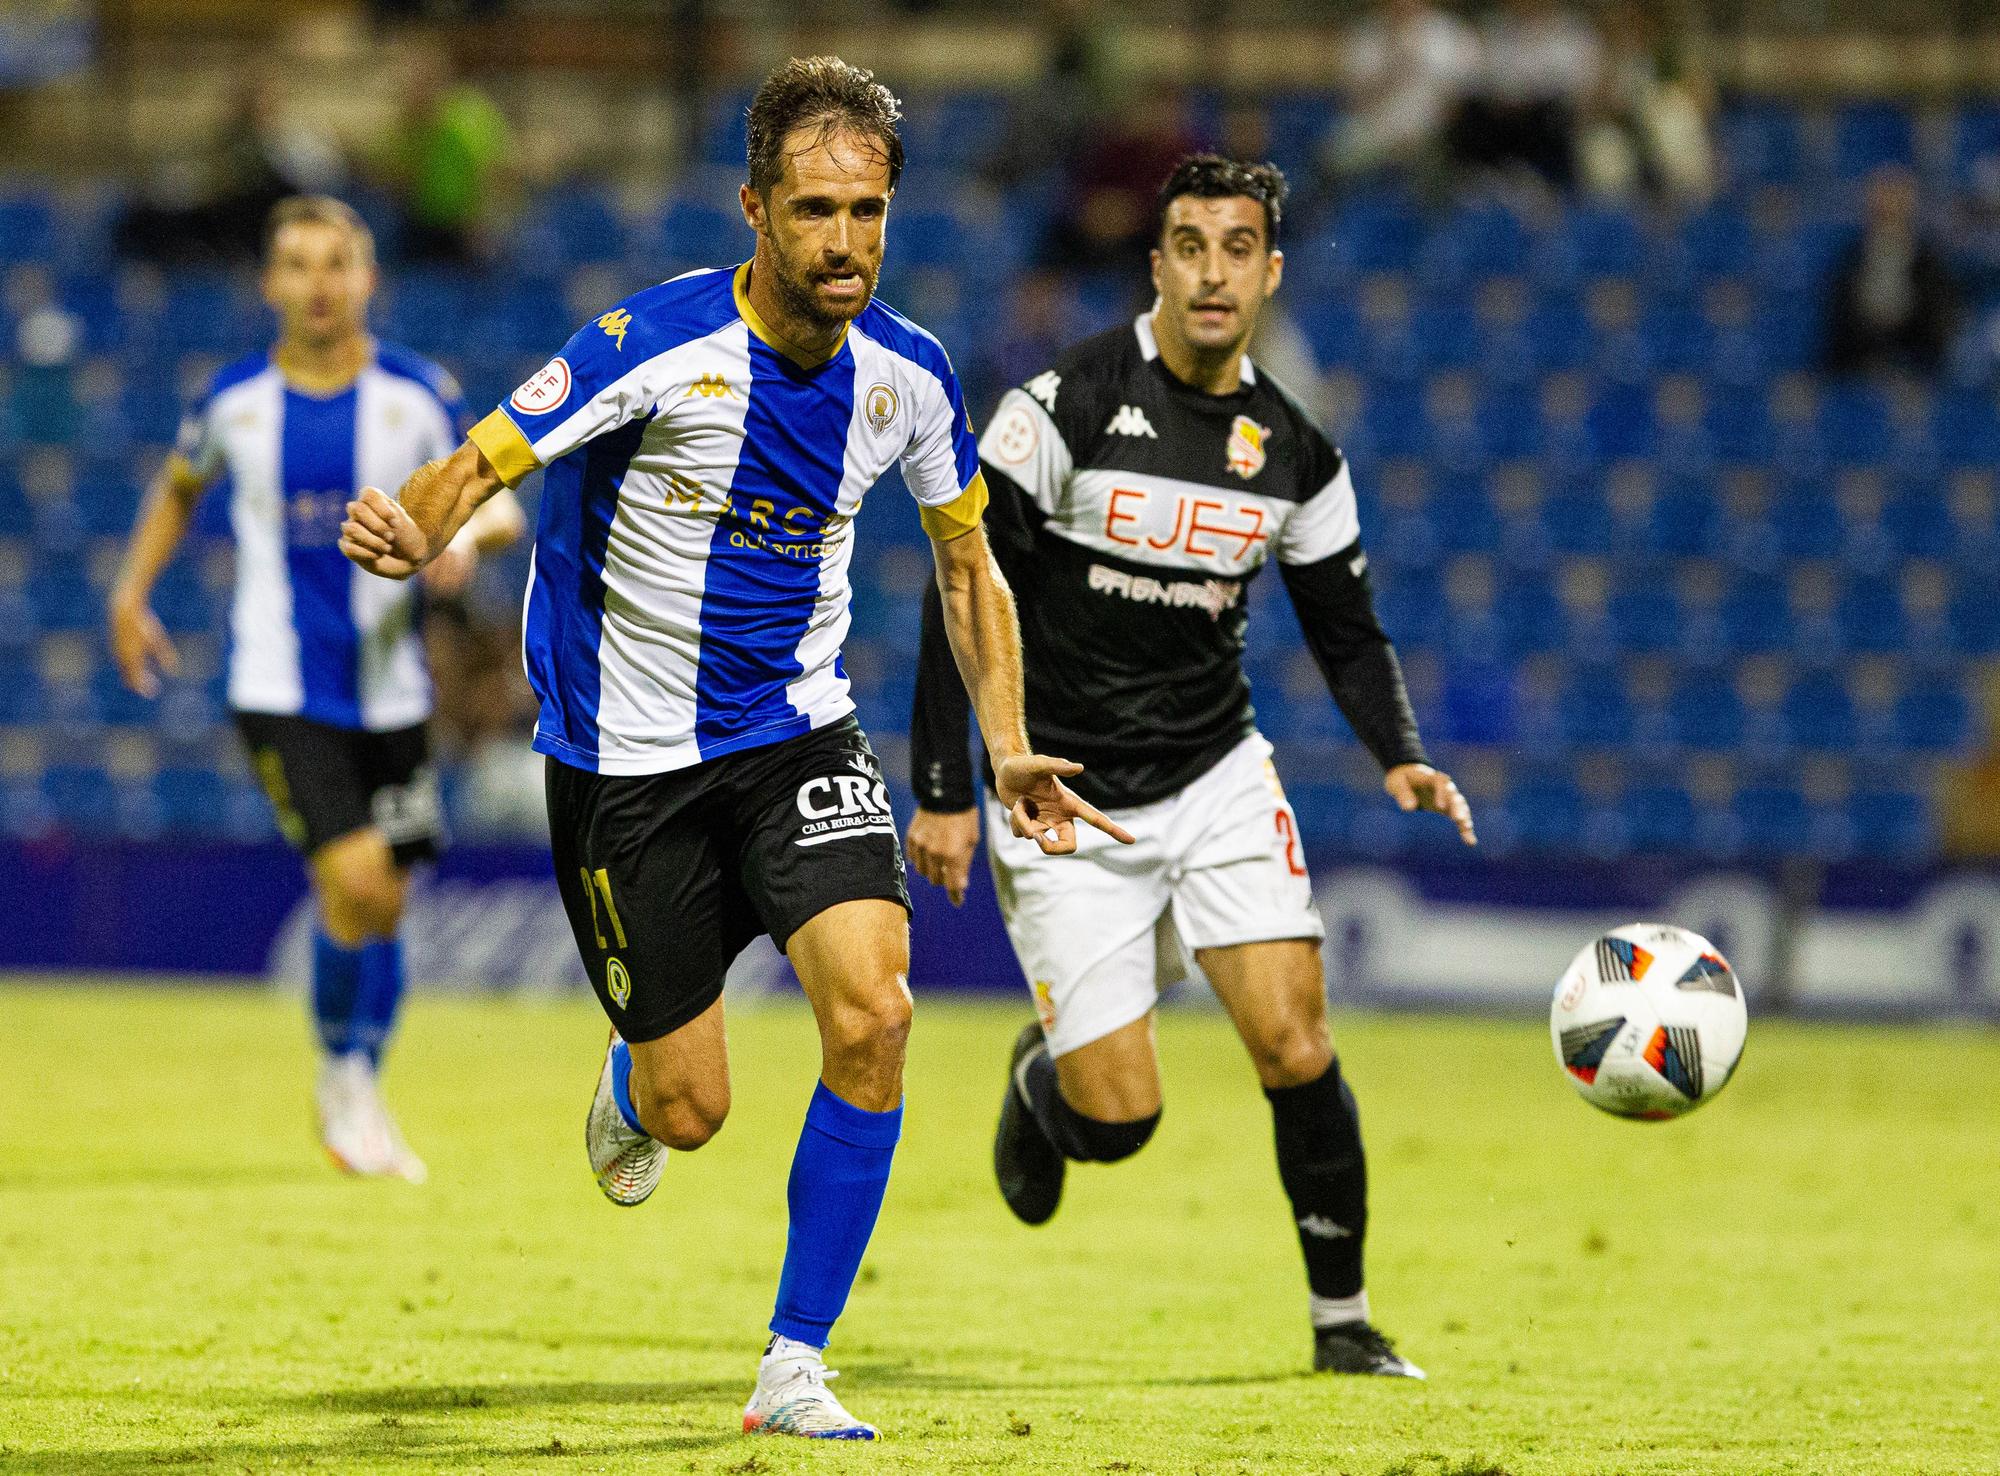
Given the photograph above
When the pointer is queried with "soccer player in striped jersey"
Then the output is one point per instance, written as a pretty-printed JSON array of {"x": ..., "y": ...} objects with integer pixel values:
[
  {"x": 327, "y": 679},
  {"x": 707, "y": 443}
]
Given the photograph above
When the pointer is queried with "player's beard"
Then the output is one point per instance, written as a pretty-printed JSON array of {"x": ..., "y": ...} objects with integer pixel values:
[{"x": 795, "y": 290}]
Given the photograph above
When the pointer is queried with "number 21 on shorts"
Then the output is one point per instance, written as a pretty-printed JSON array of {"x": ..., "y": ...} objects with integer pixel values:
[{"x": 598, "y": 884}]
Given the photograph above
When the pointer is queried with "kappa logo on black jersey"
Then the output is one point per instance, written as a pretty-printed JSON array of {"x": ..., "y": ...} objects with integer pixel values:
[
  {"x": 1043, "y": 387},
  {"x": 1131, "y": 421}
]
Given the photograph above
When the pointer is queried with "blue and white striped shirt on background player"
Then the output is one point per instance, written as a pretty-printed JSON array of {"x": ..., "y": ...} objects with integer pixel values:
[
  {"x": 311, "y": 635},
  {"x": 690, "y": 586}
]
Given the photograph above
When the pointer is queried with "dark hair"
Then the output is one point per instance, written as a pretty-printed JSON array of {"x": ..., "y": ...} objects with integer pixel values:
[
  {"x": 1212, "y": 177},
  {"x": 320, "y": 210},
  {"x": 821, "y": 90}
]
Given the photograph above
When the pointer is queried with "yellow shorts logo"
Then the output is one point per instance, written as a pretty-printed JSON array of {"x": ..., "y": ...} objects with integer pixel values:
[{"x": 618, "y": 983}]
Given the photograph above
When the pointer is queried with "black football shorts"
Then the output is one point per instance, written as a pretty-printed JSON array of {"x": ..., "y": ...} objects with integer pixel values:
[
  {"x": 325, "y": 782},
  {"x": 667, "y": 877}
]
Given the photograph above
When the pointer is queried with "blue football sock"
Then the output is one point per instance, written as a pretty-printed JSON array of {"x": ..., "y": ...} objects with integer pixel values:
[
  {"x": 621, "y": 1085},
  {"x": 336, "y": 986},
  {"x": 838, "y": 1176},
  {"x": 380, "y": 994}
]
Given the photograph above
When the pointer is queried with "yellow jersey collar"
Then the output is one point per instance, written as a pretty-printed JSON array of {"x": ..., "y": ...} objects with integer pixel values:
[{"x": 739, "y": 287}]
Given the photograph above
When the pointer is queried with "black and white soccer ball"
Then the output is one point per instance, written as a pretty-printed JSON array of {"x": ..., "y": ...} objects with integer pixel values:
[{"x": 1648, "y": 1021}]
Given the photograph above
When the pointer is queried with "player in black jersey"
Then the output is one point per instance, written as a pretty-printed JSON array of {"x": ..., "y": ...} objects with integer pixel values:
[{"x": 1136, "y": 487}]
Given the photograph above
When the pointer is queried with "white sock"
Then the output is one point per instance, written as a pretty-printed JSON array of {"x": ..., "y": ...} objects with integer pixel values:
[
  {"x": 1333, "y": 1311},
  {"x": 790, "y": 1350}
]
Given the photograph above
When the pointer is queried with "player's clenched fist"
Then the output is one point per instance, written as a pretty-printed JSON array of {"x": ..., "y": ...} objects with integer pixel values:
[
  {"x": 381, "y": 537},
  {"x": 1043, "y": 809}
]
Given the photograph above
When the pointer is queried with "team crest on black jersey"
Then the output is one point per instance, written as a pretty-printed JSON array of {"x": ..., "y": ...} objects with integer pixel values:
[{"x": 1246, "y": 446}]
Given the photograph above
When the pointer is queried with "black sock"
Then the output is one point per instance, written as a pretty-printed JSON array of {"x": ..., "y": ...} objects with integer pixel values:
[
  {"x": 1326, "y": 1177},
  {"x": 1086, "y": 1139}
]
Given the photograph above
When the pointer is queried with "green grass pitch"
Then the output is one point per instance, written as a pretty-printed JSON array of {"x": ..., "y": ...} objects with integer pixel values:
[{"x": 1800, "y": 1278}]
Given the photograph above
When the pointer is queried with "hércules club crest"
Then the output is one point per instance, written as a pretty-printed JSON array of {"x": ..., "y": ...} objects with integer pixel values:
[{"x": 1246, "y": 446}]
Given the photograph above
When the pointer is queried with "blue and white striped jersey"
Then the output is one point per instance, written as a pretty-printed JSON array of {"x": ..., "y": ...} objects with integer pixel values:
[
  {"x": 689, "y": 594},
  {"x": 311, "y": 635}
]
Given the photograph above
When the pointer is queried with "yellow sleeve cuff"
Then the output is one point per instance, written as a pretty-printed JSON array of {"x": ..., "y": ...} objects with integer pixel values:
[
  {"x": 502, "y": 443},
  {"x": 958, "y": 517}
]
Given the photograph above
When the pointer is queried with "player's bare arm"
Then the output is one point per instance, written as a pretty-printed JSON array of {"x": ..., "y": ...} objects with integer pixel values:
[
  {"x": 986, "y": 643},
  {"x": 496, "y": 524},
  {"x": 395, "y": 537},
  {"x": 139, "y": 643}
]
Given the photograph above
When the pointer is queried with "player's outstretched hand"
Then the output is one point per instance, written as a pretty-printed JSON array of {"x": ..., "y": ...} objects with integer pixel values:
[
  {"x": 941, "y": 844},
  {"x": 1042, "y": 807},
  {"x": 381, "y": 537},
  {"x": 141, "y": 647},
  {"x": 1420, "y": 787}
]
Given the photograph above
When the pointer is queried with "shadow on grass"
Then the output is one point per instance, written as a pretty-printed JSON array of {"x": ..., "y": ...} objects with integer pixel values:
[
  {"x": 509, "y": 1395},
  {"x": 366, "y": 1449}
]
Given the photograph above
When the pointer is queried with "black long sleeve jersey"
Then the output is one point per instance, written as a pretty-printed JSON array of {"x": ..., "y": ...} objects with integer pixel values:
[{"x": 1128, "y": 512}]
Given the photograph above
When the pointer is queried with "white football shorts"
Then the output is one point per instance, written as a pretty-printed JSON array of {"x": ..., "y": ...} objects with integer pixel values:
[{"x": 1100, "y": 933}]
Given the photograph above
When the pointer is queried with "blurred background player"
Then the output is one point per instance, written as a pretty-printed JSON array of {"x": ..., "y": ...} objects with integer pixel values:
[
  {"x": 327, "y": 678},
  {"x": 708, "y": 442},
  {"x": 1138, "y": 484}
]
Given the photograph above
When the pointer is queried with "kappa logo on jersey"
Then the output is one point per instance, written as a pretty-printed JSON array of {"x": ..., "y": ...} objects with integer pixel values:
[
  {"x": 711, "y": 387},
  {"x": 1131, "y": 421},
  {"x": 836, "y": 806},
  {"x": 880, "y": 406},
  {"x": 614, "y": 324},
  {"x": 1246, "y": 446},
  {"x": 545, "y": 389},
  {"x": 1043, "y": 387},
  {"x": 1015, "y": 438}
]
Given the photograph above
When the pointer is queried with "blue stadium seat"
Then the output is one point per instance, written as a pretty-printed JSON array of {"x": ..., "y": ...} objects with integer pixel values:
[
  {"x": 1718, "y": 241},
  {"x": 1676, "y": 338},
  {"x": 1870, "y": 617},
  {"x": 1918, "y": 524},
  {"x": 1446, "y": 338},
  {"x": 1869, "y": 135},
  {"x": 955, "y": 130},
  {"x": 1805, "y": 522},
  {"x": 1685, "y": 520},
  {"x": 1817, "y": 714},
  {"x": 1531, "y": 615},
  {"x": 1704, "y": 713},
  {"x": 1933, "y": 718},
  {"x": 82, "y": 798},
  {"x": 1546, "y": 814},
  {"x": 1560, "y": 335},
  {"x": 27, "y": 228},
  {"x": 1756, "y": 615},
  {"x": 578, "y": 222},
  {"x": 1890, "y": 826},
  {"x": 1467, "y": 524},
  {"x": 725, "y": 130},
  {"x": 1659, "y": 819},
  {"x": 1622, "y": 423},
  {"x": 1773, "y": 819},
  {"x": 1591, "y": 241},
  {"x": 1576, "y": 521},
  {"x": 1760, "y": 143},
  {"x": 1966, "y": 427},
  {"x": 428, "y": 310},
  {"x": 1510, "y": 424},
  {"x": 1326, "y": 810},
  {"x": 1975, "y": 619},
  {"x": 1376, "y": 233},
  {"x": 699, "y": 232},
  {"x": 62, "y": 600},
  {"x": 1645, "y": 614},
  {"x": 1975, "y": 136},
  {"x": 931, "y": 238},
  {"x": 1854, "y": 423},
  {"x": 1412, "y": 608},
  {"x": 1477, "y": 703},
  {"x": 1596, "y": 711}
]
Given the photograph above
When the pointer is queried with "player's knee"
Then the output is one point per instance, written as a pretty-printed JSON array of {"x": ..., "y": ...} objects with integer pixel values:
[
  {"x": 682, "y": 1120},
  {"x": 1293, "y": 1052},
  {"x": 360, "y": 898},
  {"x": 875, "y": 1027}
]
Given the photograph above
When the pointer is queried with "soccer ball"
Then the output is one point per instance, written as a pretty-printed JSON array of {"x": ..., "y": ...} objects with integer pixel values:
[{"x": 1648, "y": 1021}]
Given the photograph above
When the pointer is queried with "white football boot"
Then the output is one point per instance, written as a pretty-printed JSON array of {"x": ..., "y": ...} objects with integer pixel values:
[
  {"x": 403, "y": 1163},
  {"x": 791, "y": 1397},
  {"x": 352, "y": 1124},
  {"x": 627, "y": 1163}
]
